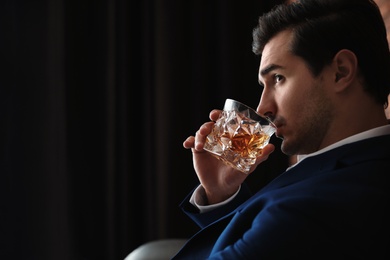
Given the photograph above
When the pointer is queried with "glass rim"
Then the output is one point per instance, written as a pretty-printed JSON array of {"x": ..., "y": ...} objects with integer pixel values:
[{"x": 232, "y": 104}]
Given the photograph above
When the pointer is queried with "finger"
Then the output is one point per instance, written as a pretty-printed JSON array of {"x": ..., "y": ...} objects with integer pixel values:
[
  {"x": 201, "y": 135},
  {"x": 267, "y": 150},
  {"x": 214, "y": 114},
  {"x": 189, "y": 142}
]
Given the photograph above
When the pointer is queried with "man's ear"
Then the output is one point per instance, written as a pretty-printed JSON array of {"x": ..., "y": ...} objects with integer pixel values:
[{"x": 345, "y": 68}]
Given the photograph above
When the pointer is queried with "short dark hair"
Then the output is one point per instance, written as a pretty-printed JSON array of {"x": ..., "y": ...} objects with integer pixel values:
[{"x": 321, "y": 28}]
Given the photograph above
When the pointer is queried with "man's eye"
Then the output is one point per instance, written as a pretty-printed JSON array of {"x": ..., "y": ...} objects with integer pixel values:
[{"x": 278, "y": 78}]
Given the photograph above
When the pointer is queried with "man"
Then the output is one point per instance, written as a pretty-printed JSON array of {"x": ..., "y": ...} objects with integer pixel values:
[{"x": 324, "y": 71}]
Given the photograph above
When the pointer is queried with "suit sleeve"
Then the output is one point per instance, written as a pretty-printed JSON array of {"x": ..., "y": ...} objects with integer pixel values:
[{"x": 203, "y": 219}]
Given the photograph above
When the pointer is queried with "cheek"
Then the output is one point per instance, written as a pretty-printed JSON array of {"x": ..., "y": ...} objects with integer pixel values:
[{"x": 291, "y": 103}]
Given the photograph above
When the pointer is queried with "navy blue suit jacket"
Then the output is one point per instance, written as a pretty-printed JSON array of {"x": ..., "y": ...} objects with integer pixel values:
[{"x": 331, "y": 206}]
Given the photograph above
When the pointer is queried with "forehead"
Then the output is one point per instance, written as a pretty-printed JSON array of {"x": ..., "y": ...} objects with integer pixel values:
[{"x": 277, "y": 50}]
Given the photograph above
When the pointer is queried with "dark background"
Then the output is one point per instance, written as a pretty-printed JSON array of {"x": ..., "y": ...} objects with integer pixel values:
[{"x": 97, "y": 97}]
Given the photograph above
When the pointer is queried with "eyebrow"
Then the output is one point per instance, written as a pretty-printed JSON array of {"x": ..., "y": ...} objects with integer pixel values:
[{"x": 269, "y": 68}]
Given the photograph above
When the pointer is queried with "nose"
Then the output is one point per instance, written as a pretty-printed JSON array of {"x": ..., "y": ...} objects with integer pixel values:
[{"x": 266, "y": 105}]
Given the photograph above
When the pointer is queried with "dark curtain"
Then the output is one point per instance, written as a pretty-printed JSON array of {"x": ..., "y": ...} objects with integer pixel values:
[{"x": 97, "y": 97}]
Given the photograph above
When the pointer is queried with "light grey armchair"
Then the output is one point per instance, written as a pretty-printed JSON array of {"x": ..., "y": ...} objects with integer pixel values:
[{"x": 163, "y": 249}]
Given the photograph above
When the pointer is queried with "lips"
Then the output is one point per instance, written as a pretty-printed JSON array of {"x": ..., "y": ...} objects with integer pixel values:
[
  {"x": 277, "y": 124},
  {"x": 278, "y": 134},
  {"x": 278, "y": 131}
]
